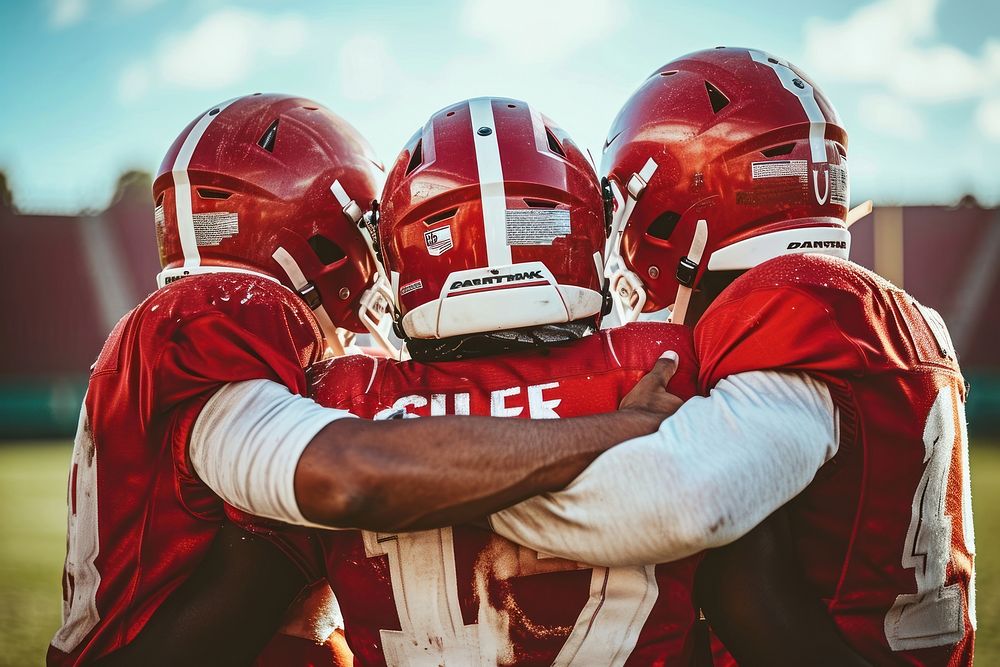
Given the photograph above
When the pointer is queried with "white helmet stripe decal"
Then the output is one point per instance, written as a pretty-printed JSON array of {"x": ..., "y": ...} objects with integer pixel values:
[
  {"x": 807, "y": 98},
  {"x": 182, "y": 185},
  {"x": 491, "y": 185}
]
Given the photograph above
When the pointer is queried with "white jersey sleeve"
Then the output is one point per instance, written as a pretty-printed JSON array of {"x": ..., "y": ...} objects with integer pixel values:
[
  {"x": 712, "y": 472},
  {"x": 247, "y": 442}
]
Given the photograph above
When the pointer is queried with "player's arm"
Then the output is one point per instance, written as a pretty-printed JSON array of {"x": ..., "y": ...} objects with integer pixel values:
[
  {"x": 712, "y": 472},
  {"x": 278, "y": 455},
  {"x": 225, "y": 612},
  {"x": 754, "y": 595}
]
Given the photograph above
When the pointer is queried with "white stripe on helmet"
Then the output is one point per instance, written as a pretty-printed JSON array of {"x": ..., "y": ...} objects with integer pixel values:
[
  {"x": 491, "y": 185},
  {"x": 807, "y": 98},
  {"x": 182, "y": 185}
]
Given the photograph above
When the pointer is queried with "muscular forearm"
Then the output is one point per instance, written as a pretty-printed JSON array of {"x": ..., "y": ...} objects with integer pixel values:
[
  {"x": 762, "y": 608},
  {"x": 422, "y": 473},
  {"x": 278, "y": 455},
  {"x": 707, "y": 476}
]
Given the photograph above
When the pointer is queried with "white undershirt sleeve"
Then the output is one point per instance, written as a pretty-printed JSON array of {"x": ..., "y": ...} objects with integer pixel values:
[
  {"x": 712, "y": 472},
  {"x": 247, "y": 442}
]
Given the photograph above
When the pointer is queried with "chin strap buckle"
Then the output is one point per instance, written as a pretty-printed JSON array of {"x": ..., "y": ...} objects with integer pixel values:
[
  {"x": 687, "y": 271},
  {"x": 310, "y": 295}
]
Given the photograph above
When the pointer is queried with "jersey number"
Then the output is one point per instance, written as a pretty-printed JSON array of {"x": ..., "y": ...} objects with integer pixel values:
[
  {"x": 80, "y": 576},
  {"x": 425, "y": 588},
  {"x": 934, "y": 615}
]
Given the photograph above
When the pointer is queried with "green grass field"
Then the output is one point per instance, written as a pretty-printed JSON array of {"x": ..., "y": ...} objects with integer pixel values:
[{"x": 33, "y": 523}]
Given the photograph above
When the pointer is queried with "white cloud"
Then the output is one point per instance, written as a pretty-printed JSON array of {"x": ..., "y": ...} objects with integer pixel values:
[
  {"x": 535, "y": 31},
  {"x": 222, "y": 49},
  {"x": 891, "y": 43},
  {"x": 988, "y": 118},
  {"x": 134, "y": 83},
  {"x": 365, "y": 67},
  {"x": 890, "y": 116},
  {"x": 67, "y": 12}
]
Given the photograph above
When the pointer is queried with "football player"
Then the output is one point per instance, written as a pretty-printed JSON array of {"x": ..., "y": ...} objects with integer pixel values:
[
  {"x": 479, "y": 172},
  {"x": 729, "y": 168},
  {"x": 198, "y": 395},
  {"x": 492, "y": 228}
]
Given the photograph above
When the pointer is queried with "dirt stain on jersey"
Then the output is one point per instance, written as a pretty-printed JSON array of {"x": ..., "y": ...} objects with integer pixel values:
[{"x": 499, "y": 613}]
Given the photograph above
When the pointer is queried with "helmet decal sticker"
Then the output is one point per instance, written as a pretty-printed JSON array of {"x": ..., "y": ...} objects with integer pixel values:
[
  {"x": 411, "y": 287},
  {"x": 840, "y": 189},
  {"x": 491, "y": 182},
  {"x": 438, "y": 241},
  {"x": 536, "y": 226},
  {"x": 182, "y": 185},
  {"x": 780, "y": 169},
  {"x": 821, "y": 198},
  {"x": 807, "y": 98},
  {"x": 210, "y": 229}
]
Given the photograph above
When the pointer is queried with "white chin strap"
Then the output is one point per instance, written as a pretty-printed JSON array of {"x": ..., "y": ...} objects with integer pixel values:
[
  {"x": 683, "y": 300},
  {"x": 303, "y": 287},
  {"x": 858, "y": 212},
  {"x": 626, "y": 287}
]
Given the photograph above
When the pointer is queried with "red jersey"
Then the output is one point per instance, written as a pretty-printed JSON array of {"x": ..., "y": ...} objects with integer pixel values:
[
  {"x": 884, "y": 532},
  {"x": 465, "y": 596},
  {"x": 139, "y": 519}
]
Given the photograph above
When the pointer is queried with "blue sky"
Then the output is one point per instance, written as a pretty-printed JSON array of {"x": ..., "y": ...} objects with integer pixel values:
[{"x": 93, "y": 87}]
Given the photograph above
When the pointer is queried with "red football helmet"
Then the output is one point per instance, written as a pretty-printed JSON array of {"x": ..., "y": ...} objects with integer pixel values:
[
  {"x": 721, "y": 160},
  {"x": 274, "y": 185},
  {"x": 492, "y": 219}
]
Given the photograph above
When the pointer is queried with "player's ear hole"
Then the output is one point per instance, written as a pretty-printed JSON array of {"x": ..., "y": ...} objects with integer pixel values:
[
  {"x": 663, "y": 226},
  {"x": 326, "y": 250}
]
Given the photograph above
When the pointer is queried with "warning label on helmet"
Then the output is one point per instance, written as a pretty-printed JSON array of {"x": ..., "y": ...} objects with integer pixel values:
[
  {"x": 840, "y": 191},
  {"x": 779, "y": 169},
  {"x": 536, "y": 226},
  {"x": 212, "y": 228},
  {"x": 411, "y": 287},
  {"x": 158, "y": 222}
]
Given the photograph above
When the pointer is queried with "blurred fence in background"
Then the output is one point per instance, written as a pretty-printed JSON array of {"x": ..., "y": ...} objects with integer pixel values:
[{"x": 66, "y": 280}]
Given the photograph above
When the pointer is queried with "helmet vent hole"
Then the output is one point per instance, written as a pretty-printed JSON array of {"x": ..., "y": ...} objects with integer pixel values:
[
  {"x": 715, "y": 96},
  {"x": 267, "y": 139},
  {"x": 670, "y": 72},
  {"x": 327, "y": 251},
  {"x": 311, "y": 108},
  {"x": 663, "y": 226},
  {"x": 540, "y": 203},
  {"x": 775, "y": 151},
  {"x": 439, "y": 217},
  {"x": 208, "y": 193},
  {"x": 159, "y": 200},
  {"x": 417, "y": 158},
  {"x": 554, "y": 143}
]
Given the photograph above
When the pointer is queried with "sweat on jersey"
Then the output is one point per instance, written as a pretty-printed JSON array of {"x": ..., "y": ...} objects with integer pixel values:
[
  {"x": 884, "y": 532},
  {"x": 139, "y": 518}
]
